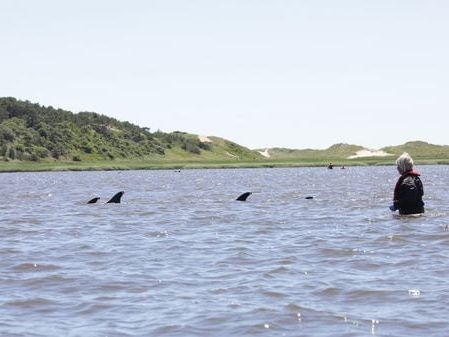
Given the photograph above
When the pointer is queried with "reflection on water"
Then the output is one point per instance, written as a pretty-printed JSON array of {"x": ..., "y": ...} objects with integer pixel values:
[{"x": 180, "y": 257}]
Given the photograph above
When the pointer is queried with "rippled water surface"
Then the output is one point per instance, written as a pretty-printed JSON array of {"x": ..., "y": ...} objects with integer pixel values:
[{"x": 180, "y": 257}]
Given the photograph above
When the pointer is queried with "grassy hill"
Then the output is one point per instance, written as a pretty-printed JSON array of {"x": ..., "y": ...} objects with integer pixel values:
[
  {"x": 34, "y": 133},
  {"x": 420, "y": 150},
  {"x": 336, "y": 151},
  {"x": 35, "y": 137}
]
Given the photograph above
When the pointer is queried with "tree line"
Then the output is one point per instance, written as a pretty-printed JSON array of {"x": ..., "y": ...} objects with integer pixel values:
[{"x": 29, "y": 131}]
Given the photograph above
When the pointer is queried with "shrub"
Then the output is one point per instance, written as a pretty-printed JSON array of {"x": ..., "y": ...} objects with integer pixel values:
[
  {"x": 6, "y": 133},
  {"x": 12, "y": 153},
  {"x": 205, "y": 146},
  {"x": 39, "y": 151},
  {"x": 3, "y": 150},
  {"x": 192, "y": 148},
  {"x": 86, "y": 148}
]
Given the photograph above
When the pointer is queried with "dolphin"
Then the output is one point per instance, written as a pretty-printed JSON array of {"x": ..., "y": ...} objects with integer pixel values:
[
  {"x": 93, "y": 201},
  {"x": 116, "y": 198},
  {"x": 244, "y": 196}
]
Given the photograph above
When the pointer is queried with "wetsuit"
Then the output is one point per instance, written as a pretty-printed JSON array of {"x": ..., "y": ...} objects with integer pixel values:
[{"x": 408, "y": 193}]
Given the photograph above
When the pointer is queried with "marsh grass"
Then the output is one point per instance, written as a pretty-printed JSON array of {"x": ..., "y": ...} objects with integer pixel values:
[
  {"x": 218, "y": 157},
  {"x": 23, "y": 166}
]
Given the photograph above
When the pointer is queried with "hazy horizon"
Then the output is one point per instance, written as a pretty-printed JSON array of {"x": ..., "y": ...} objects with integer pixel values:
[{"x": 293, "y": 74}]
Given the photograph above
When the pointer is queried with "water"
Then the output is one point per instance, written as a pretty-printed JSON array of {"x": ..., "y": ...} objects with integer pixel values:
[{"x": 180, "y": 257}]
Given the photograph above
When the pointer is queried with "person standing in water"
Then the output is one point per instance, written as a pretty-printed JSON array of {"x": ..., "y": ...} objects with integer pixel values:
[{"x": 409, "y": 189}]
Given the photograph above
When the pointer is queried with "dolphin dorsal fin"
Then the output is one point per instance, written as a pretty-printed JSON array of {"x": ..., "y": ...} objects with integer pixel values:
[
  {"x": 244, "y": 196},
  {"x": 116, "y": 198},
  {"x": 94, "y": 200}
]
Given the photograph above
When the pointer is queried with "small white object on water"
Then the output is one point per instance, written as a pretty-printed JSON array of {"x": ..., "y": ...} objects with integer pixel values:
[
  {"x": 351, "y": 321},
  {"x": 299, "y": 317},
  {"x": 374, "y": 322},
  {"x": 266, "y": 326},
  {"x": 414, "y": 292}
]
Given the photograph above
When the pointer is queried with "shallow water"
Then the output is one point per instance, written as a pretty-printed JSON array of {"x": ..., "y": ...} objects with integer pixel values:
[{"x": 180, "y": 257}]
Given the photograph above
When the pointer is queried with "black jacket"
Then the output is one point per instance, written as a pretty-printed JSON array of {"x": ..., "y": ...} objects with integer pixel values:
[{"x": 408, "y": 194}]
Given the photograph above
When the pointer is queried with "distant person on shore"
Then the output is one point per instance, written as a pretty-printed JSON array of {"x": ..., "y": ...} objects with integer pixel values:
[{"x": 409, "y": 190}]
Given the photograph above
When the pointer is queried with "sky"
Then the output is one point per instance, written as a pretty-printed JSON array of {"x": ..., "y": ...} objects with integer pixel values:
[{"x": 262, "y": 73}]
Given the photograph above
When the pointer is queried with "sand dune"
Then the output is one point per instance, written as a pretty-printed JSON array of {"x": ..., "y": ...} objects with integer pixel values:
[
  {"x": 369, "y": 153},
  {"x": 265, "y": 153},
  {"x": 204, "y": 139}
]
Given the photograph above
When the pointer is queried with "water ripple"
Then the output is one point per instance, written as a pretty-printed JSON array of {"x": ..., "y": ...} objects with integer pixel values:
[{"x": 180, "y": 257}]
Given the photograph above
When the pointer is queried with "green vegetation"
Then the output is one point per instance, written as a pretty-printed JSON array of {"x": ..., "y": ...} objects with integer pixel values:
[
  {"x": 35, "y": 137},
  {"x": 421, "y": 150},
  {"x": 55, "y": 138},
  {"x": 422, "y": 153},
  {"x": 335, "y": 152}
]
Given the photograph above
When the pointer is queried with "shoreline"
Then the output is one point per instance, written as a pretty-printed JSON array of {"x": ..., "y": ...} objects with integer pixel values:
[{"x": 8, "y": 167}]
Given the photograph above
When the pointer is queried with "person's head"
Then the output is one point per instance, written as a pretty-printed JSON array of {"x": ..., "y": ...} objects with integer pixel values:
[{"x": 404, "y": 163}]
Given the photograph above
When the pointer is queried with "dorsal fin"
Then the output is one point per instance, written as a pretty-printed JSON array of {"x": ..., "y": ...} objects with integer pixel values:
[
  {"x": 94, "y": 200},
  {"x": 116, "y": 198},
  {"x": 243, "y": 196}
]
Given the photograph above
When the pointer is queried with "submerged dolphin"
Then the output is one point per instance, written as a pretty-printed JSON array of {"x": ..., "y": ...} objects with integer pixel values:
[
  {"x": 116, "y": 198},
  {"x": 93, "y": 201},
  {"x": 244, "y": 196}
]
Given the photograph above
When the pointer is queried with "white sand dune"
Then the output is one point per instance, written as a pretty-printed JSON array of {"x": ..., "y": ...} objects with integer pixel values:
[
  {"x": 231, "y": 155},
  {"x": 265, "y": 153},
  {"x": 369, "y": 153},
  {"x": 204, "y": 139}
]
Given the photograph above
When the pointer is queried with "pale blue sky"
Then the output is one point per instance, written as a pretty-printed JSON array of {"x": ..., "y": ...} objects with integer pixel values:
[{"x": 298, "y": 74}]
